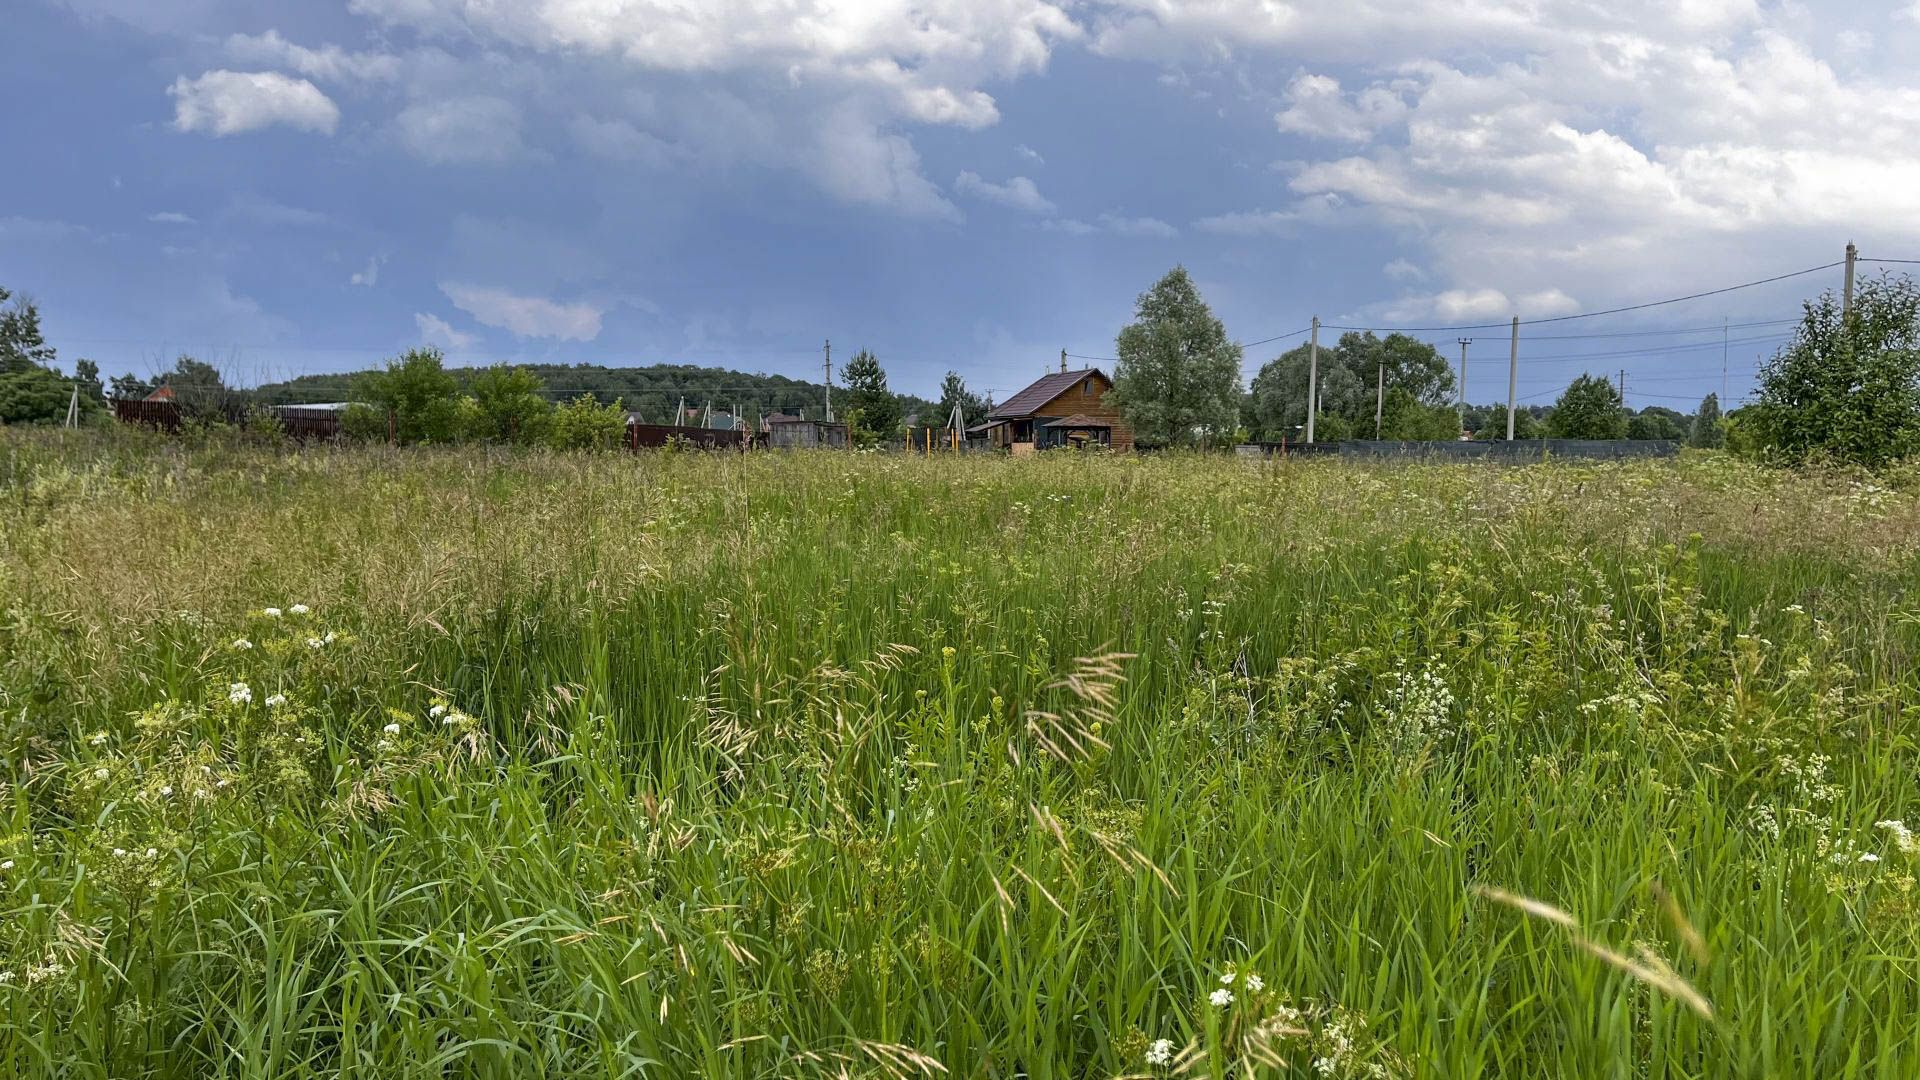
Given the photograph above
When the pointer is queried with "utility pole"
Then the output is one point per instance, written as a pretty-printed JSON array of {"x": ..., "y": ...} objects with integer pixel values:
[
  {"x": 1313, "y": 377},
  {"x": 1623, "y": 388},
  {"x": 1723, "y": 361},
  {"x": 1464, "y": 342},
  {"x": 1846, "y": 302},
  {"x": 829, "y": 381},
  {"x": 1513, "y": 375},
  {"x": 1380, "y": 403},
  {"x": 1063, "y": 361}
]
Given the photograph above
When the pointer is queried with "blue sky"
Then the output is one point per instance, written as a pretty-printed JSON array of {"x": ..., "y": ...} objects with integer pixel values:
[{"x": 301, "y": 187}]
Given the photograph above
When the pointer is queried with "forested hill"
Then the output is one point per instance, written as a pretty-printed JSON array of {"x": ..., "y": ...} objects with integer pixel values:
[{"x": 654, "y": 391}]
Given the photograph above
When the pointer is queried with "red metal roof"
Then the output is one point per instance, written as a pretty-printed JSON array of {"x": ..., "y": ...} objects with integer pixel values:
[{"x": 1041, "y": 392}]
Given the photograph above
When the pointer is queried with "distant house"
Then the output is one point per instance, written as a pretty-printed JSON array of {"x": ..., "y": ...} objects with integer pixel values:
[{"x": 1066, "y": 408}]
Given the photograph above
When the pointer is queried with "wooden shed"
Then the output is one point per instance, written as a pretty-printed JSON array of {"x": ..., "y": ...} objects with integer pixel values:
[{"x": 1064, "y": 409}]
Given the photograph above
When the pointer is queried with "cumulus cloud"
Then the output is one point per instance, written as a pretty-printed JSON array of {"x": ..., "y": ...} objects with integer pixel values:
[
  {"x": 1018, "y": 193},
  {"x": 1113, "y": 224},
  {"x": 526, "y": 316},
  {"x": 435, "y": 330},
  {"x": 476, "y": 130},
  {"x": 620, "y": 140},
  {"x": 170, "y": 217},
  {"x": 1403, "y": 270},
  {"x": 1316, "y": 106},
  {"x": 234, "y": 102}
]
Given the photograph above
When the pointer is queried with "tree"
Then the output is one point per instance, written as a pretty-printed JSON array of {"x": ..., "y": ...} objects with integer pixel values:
[
  {"x": 1492, "y": 425},
  {"x": 1655, "y": 423},
  {"x": 21, "y": 345},
  {"x": 128, "y": 387},
  {"x": 87, "y": 374},
  {"x": 415, "y": 391},
  {"x": 1178, "y": 380},
  {"x": 1418, "y": 379},
  {"x": 585, "y": 424},
  {"x": 873, "y": 412},
  {"x": 200, "y": 392},
  {"x": 954, "y": 392},
  {"x": 1709, "y": 430},
  {"x": 1846, "y": 388},
  {"x": 1589, "y": 409},
  {"x": 512, "y": 404}
]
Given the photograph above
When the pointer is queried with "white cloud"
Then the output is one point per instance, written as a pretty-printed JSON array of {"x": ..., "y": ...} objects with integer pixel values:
[
  {"x": 260, "y": 210},
  {"x": 1113, "y": 224},
  {"x": 1137, "y": 226},
  {"x": 170, "y": 217},
  {"x": 526, "y": 316},
  {"x": 1317, "y": 107},
  {"x": 437, "y": 331},
  {"x": 1251, "y": 223},
  {"x": 369, "y": 277},
  {"x": 620, "y": 140},
  {"x": 329, "y": 63},
  {"x": 233, "y": 102},
  {"x": 477, "y": 130},
  {"x": 1018, "y": 193},
  {"x": 1030, "y": 154},
  {"x": 1403, "y": 270}
]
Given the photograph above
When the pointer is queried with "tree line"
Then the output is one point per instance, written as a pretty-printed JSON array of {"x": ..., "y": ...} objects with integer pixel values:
[{"x": 1845, "y": 388}]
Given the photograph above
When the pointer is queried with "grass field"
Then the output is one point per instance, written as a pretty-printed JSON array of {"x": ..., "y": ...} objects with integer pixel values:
[{"x": 870, "y": 766}]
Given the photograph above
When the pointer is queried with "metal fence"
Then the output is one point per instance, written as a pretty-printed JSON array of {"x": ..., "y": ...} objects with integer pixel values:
[{"x": 1515, "y": 451}]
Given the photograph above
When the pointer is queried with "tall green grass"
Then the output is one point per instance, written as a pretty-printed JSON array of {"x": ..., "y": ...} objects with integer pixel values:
[{"x": 842, "y": 765}]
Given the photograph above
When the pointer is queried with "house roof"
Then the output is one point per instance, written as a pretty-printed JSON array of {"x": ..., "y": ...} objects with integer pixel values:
[
  {"x": 1041, "y": 392},
  {"x": 1080, "y": 420}
]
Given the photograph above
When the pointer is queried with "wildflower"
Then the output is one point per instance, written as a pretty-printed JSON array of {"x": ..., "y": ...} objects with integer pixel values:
[
  {"x": 100, "y": 774},
  {"x": 276, "y": 701},
  {"x": 298, "y": 609},
  {"x": 437, "y": 711},
  {"x": 166, "y": 790},
  {"x": 1903, "y": 837},
  {"x": 240, "y": 694},
  {"x": 328, "y": 640},
  {"x": 153, "y": 853},
  {"x": 315, "y": 643},
  {"x": 242, "y": 644},
  {"x": 1161, "y": 1052},
  {"x": 98, "y": 738},
  {"x": 1255, "y": 983},
  {"x": 119, "y": 853},
  {"x": 271, "y": 613},
  {"x": 1227, "y": 979},
  {"x": 1221, "y": 998},
  {"x": 391, "y": 729},
  {"x": 221, "y": 783},
  {"x": 6, "y": 864},
  {"x": 1869, "y": 857},
  {"x": 6, "y": 976}
]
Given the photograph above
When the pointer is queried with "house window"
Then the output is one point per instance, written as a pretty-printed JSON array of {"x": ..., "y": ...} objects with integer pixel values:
[{"x": 1086, "y": 388}]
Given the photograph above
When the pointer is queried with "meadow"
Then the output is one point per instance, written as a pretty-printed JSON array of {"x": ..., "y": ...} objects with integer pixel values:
[{"x": 374, "y": 763}]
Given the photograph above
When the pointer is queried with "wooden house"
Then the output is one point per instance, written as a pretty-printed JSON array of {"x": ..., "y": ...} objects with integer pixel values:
[{"x": 1063, "y": 409}]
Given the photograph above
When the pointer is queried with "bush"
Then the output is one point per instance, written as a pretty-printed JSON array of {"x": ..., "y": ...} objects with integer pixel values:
[{"x": 585, "y": 424}]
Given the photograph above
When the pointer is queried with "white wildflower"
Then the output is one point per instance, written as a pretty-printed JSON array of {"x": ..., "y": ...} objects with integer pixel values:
[
  {"x": 100, "y": 774},
  {"x": 1869, "y": 857},
  {"x": 391, "y": 729},
  {"x": 271, "y": 613},
  {"x": 315, "y": 643},
  {"x": 119, "y": 853},
  {"x": 276, "y": 701},
  {"x": 1227, "y": 979},
  {"x": 1221, "y": 998},
  {"x": 329, "y": 639},
  {"x": 99, "y": 738},
  {"x": 1255, "y": 983},
  {"x": 1161, "y": 1052},
  {"x": 437, "y": 711},
  {"x": 6, "y": 864},
  {"x": 298, "y": 609},
  {"x": 153, "y": 853},
  {"x": 240, "y": 694},
  {"x": 166, "y": 790},
  {"x": 1903, "y": 837},
  {"x": 242, "y": 644}
]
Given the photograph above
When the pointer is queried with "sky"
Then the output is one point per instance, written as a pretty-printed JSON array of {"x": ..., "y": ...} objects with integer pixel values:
[{"x": 300, "y": 186}]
